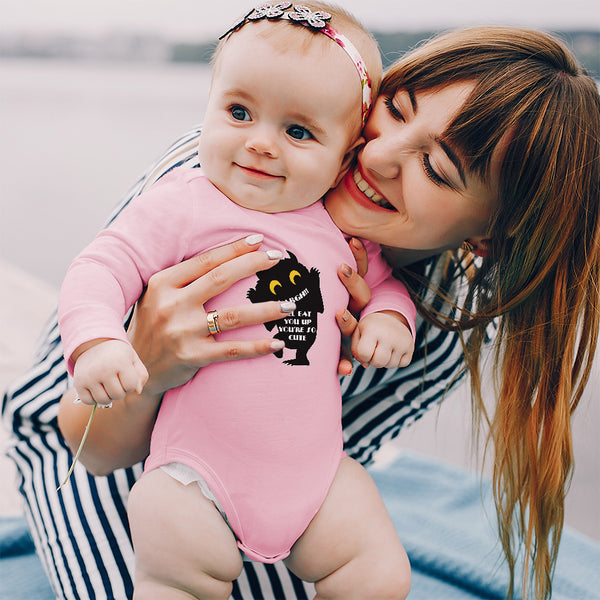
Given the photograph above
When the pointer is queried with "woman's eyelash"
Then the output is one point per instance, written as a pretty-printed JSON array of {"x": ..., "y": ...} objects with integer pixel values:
[
  {"x": 389, "y": 102},
  {"x": 430, "y": 172}
]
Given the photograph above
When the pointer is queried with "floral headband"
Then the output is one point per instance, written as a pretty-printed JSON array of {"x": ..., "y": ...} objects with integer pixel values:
[{"x": 316, "y": 21}]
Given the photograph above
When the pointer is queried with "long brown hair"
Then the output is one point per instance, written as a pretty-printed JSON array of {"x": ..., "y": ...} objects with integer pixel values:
[{"x": 541, "y": 276}]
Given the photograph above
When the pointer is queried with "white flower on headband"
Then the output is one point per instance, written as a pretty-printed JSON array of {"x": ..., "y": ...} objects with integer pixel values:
[
  {"x": 314, "y": 19},
  {"x": 271, "y": 11}
]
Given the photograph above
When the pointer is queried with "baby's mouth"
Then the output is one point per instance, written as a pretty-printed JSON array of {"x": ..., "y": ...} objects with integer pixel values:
[{"x": 369, "y": 192}]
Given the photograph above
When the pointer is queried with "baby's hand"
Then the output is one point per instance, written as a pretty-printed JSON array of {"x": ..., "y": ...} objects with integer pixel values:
[
  {"x": 383, "y": 339},
  {"x": 108, "y": 370}
]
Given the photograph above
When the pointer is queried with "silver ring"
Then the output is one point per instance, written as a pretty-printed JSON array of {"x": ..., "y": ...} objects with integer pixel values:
[{"x": 212, "y": 318}]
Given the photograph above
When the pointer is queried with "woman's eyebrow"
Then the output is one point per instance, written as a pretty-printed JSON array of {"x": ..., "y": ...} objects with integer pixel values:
[
  {"x": 413, "y": 101},
  {"x": 453, "y": 158}
]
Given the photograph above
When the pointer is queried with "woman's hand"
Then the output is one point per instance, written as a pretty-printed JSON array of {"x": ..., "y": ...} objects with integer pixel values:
[
  {"x": 169, "y": 328},
  {"x": 360, "y": 294},
  {"x": 169, "y": 331}
]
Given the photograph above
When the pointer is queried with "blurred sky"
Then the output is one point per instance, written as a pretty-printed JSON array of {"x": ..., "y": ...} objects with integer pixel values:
[{"x": 204, "y": 20}]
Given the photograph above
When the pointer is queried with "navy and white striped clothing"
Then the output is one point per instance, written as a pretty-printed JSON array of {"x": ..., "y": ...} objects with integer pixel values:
[{"x": 81, "y": 533}]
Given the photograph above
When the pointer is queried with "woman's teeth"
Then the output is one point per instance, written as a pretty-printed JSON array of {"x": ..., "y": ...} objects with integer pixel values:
[{"x": 369, "y": 192}]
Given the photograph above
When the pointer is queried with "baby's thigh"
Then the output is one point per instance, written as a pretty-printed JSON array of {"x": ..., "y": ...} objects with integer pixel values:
[
  {"x": 179, "y": 537},
  {"x": 351, "y": 548}
]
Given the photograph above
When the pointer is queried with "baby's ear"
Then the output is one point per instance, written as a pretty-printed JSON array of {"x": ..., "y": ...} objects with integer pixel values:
[{"x": 348, "y": 158}]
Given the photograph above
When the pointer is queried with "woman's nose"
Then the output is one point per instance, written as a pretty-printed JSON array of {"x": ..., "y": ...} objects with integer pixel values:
[
  {"x": 262, "y": 142},
  {"x": 382, "y": 158}
]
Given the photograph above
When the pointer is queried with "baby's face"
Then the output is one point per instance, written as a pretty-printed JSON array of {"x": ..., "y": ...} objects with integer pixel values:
[{"x": 282, "y": 117}]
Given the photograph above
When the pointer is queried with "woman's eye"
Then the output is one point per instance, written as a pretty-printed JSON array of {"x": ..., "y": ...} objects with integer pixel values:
[
  {"x": 239, "y": 113},
  {"x": 299, "y": 133},
  {"x": 393, "y": 109},
  {"x": 430, "y": 172}
]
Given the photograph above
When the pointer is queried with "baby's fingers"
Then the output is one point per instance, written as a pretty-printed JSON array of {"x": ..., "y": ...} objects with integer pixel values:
[
  {"x": 94, "y": 394},
  {"x": 84, "y": 396},
  {"x": 382, "y": 357},
  {"x": 131, "y": 379},
  {"x": 405, "y": 358},
  {"x": 362, "y": 348},
  {"x": 90, "y": 391},
  {"x": 390, "y": 358}
]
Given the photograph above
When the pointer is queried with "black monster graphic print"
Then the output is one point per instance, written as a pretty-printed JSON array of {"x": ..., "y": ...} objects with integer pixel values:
[{"x": 292, "y": 281}]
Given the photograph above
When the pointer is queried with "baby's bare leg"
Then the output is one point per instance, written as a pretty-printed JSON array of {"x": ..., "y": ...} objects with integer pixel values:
[
  {"x": 183, "y": 547},
  {"x": 350, "y": 549}
]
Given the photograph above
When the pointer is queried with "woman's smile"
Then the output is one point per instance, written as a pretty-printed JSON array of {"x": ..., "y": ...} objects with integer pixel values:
[
  {"x": 362, "y": 192},
  {"x": 363, "y": 185}
]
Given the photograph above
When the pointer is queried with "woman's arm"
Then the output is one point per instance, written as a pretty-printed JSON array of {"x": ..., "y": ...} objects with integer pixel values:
[{"x": 168, "y": 331}]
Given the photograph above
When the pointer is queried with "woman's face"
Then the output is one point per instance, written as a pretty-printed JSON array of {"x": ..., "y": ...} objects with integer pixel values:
[{"x": 409, "y": 188}]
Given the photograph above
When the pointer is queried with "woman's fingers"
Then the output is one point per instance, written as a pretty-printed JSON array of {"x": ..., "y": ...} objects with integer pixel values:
[
  {"x": 252, "y": 314},
  {"x": 360, "y": 294},
  {"x": 223, "y": 276},
  {"x": 202, "y": 351},
  {"x": 189, "y": 270},
  {"x": 347, "y": 324},
  {"x": 360, "y": 256},
  {"x": 359, "y": 291},
  {"x": 233, "y": 350}
]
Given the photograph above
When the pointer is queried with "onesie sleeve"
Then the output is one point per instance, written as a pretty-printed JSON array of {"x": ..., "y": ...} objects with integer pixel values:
[
  {"x": 109, "y": 275},
  {"x": 387, "y": 293}
]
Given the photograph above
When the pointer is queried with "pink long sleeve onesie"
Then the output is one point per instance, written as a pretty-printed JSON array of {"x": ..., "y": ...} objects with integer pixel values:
[{"x": 265, "y": 433}]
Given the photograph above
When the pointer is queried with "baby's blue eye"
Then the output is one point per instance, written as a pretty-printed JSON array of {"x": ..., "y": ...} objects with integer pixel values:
[
  {"x": 299, "y": 133},
  {"x": 239, "y": 113}
]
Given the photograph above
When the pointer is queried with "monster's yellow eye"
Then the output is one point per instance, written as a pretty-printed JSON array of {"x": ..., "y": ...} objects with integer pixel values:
[
  {"x": 293, "y": 276},
  {"x": 273, "y": 286}
]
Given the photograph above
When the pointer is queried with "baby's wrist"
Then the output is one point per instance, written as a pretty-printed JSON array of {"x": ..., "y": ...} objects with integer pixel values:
[{"x": 85, "y": 347}]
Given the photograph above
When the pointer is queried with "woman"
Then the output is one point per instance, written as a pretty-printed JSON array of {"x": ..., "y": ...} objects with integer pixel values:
[{"x": 513, "y": 168}]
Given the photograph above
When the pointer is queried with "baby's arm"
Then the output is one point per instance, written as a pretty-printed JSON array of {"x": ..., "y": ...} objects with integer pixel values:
[
  {"x": 383, "y": 340},
  {"x": 107, "y": 370},
  {"x": 384, "y": 336}
]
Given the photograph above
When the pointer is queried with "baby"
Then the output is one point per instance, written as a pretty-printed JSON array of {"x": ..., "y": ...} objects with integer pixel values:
[{"x": 259, "y": 440}]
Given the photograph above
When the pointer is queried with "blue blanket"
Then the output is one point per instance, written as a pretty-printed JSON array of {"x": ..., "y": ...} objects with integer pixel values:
[{"x": 445, "y": 518}]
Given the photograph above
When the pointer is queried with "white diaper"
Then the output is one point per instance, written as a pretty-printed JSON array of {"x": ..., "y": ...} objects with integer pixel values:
[{"x": 187, "y": 475}]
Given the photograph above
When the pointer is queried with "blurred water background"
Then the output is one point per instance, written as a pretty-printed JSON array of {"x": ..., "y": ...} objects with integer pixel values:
[{"x": 74, "y": 135}]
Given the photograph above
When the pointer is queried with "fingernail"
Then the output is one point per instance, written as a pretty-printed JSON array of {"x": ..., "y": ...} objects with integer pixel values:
[
  {"x": 109, "y": 405},
  {"x": 287, "y": 307},
  {"x": 274, "y": 254},
  {"x": 346, "y": 270},
  {"x": 77, "y": 400},
  {"x": 277, "y": 345},
  {"x": 356, "y": 243},
  {"x": 255, "y": 238},
  {"x": 345, "y": 316}
]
